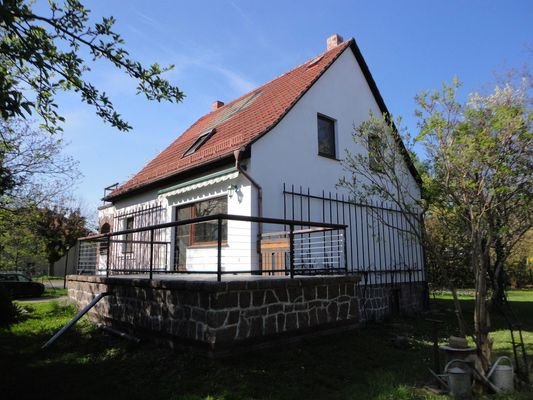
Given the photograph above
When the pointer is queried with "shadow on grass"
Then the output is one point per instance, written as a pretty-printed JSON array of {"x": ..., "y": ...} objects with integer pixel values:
[{"x": 359, "y": 364}]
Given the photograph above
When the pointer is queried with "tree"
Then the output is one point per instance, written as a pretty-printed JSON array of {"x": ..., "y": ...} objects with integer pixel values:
[
  {"x": 34, "y": 170},
  {"x": 20, "y": 245},
  {"x": 482, "y": 157},
  {"x": 479, "y": 183},
  {"x": 59, "y": 229},
  {"x": 40, "y": 55}
]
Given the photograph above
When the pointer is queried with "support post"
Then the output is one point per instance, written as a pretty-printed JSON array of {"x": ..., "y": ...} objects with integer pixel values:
[
  {"x": 107, "y": 258},
  {"x": 291, "y": 251},
  {"x": 345, "y": 252},
  {"x": 151, "y": 253},
  {"x": 219, "y": 250}
]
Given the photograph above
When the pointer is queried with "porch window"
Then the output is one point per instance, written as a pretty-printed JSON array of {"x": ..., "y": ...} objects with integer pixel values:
[
  {"x": 326, "y": 137},
  {"x": 127, "y": 246},
  {"x": 204, "y": 232}
]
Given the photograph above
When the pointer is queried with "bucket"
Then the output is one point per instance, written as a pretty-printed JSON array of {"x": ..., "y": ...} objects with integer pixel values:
[
  {"x": 502, "y": 375},
  {"x": 459, "y": 380}
]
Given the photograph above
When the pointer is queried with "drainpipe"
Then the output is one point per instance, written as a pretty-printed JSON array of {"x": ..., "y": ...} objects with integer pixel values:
[{"x": 237, "y": 154}]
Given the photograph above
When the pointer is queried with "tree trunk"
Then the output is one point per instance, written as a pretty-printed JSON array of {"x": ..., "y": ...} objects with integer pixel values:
[
  {"x": 498, "y": 276},
  {"x": 480, "y": 261}
]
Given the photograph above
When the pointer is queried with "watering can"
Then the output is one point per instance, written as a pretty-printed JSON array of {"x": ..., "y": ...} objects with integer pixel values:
[
  {"x": 502, "y": 375},
  {"x": 459, "y": 380}
]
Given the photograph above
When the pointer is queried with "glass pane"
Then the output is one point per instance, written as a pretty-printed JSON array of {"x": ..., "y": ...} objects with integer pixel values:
[
  {"x": 208, "y": 231},
  {"x": 182, "y": 237},
  {"x": 326, "y": 137}
]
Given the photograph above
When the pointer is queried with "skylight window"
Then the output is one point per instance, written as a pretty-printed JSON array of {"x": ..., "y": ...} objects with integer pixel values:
[{"x": 199, "y": 142}]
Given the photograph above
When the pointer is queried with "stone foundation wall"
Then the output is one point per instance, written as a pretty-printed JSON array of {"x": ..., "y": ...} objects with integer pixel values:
[
  {"x": 221, "y": 313},
  {"x": 378, "y": 301}
]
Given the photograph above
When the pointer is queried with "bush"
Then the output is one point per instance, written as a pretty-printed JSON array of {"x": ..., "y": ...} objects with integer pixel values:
[{"x": 8, "y": 310}]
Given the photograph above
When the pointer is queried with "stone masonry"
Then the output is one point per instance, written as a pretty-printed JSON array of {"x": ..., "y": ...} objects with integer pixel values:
[{"x": 221, "y": 314}]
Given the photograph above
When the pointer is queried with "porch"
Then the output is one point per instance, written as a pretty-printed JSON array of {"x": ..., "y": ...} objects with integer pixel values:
[{"x": 218, "y": 245}]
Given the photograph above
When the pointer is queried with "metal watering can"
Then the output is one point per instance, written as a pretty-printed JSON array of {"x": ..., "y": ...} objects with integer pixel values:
[
  {"x": 459, "y": 380},
  {"x": 502, "y": 375}
]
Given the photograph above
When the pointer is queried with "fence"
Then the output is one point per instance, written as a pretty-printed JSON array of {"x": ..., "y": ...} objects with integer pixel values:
[
  {"x": 382, "y": 240},
  {"x": 217, "y": 245}
]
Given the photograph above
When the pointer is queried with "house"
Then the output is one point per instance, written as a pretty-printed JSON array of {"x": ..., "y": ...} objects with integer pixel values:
[
  {"x": 249, "y": 193},
  {"x": 245, "y": 158}
]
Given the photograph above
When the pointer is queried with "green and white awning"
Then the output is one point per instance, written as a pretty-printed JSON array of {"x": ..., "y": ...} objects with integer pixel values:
[{"x": 203, "y": 181}]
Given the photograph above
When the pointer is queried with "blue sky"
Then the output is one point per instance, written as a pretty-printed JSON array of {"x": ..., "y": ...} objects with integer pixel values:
[{"x": 222, "y": 49}]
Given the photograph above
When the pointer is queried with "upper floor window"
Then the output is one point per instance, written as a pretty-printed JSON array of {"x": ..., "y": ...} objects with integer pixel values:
[
  {"x": 127, "y": 245},
  {"x": 326, "y": 136},
  {"x": 375, "y": 153}
]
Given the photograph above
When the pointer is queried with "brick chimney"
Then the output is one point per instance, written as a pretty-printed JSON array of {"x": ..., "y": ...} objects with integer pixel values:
[
  {"x": 333, "y": 41},
  {"x": 216, "y": 105}
]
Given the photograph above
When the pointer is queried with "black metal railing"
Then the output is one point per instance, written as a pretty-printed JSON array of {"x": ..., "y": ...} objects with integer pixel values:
[
  {"x": 382, "y": 240},
  {"x": 218, "y": 245}
]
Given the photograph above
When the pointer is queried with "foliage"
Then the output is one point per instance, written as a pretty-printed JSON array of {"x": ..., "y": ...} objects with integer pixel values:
[
  {"x": 481, "y": 156},
  {"x": 520, "y": 262},
  {"x": 59, "y": 229},
  {"x": 34, "y": 169},
  {"x": 477, "y": 183},
  {"x": 33, "y": 237},
  {"x": 39, "y": 176},
  {"x": 40, "y": 55},
  {"x": 20, "y": 245}
]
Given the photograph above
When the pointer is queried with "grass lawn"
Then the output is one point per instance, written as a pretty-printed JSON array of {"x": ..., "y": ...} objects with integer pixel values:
[{"x": 359, "y": 364}]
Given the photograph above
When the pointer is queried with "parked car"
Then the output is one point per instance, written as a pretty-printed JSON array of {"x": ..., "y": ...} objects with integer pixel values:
[{"x": 19, "y": 285}]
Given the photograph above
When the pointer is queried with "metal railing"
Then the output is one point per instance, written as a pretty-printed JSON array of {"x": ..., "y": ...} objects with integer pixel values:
[{"x": 218, "y": 245}]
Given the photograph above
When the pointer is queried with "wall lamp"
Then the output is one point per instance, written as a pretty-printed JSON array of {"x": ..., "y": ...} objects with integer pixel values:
[{"x": 231, "y": 190}]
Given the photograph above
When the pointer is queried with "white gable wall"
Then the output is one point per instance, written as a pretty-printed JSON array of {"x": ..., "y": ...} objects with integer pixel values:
[{"x": 289, "y": 152}]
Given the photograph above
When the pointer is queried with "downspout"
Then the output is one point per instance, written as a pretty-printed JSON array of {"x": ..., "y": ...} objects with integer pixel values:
[{"x": 237, "y": 154}]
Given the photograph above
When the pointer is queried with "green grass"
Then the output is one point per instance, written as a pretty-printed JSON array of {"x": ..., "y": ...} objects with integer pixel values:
[
  {"x": 360, "y": 364},
  {"x": 55, "y": 292}
]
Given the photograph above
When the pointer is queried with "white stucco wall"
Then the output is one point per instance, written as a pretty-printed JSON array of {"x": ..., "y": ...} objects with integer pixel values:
[
  {"x": 289, "y": 154},
  {"x": 239, "y": 252}
]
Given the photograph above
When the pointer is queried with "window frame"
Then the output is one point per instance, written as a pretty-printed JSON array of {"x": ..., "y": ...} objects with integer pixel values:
[
  {"x": 199, "y": 142},
  {"x": 127, "y": 245},
  {"x": 192, "y": 240},
  {"x": 375, "y": 161},
  {"x": 333, "y": 122}
]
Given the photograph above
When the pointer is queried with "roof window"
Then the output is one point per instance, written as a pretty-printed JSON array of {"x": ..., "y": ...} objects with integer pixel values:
[
  {"x": 314, "y": 61},
  {"x": 199, "y": 142}
]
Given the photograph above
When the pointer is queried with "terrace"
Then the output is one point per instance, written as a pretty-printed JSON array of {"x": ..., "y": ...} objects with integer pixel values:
[{"x": 259, "y": 279}]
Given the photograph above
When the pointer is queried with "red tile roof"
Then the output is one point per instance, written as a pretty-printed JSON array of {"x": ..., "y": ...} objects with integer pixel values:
[{"x": 236, "y": 124}]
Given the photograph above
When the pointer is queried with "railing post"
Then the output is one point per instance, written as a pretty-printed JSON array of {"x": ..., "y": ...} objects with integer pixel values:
[
  {"x": 219, "y": 249},
  {"x": 291, "y": 249},
  {"x": 107, "y": 256},
  {"x": 151, "y": 253},
  {"x": 345, "y": 252}
]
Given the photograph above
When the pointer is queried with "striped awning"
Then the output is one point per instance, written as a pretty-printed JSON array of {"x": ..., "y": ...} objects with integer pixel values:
[{"x": 197, "y": 183}]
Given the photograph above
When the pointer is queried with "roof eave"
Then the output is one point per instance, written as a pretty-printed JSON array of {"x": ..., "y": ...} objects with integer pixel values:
[{"x": 181, "y": 175}]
